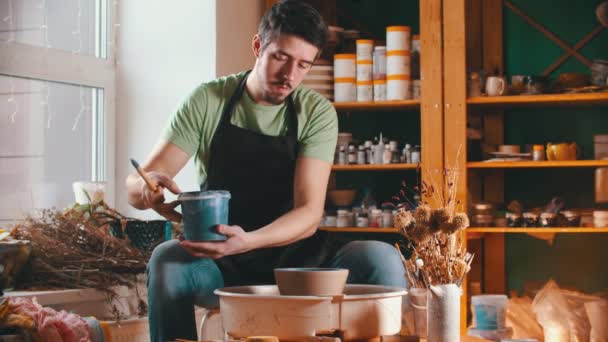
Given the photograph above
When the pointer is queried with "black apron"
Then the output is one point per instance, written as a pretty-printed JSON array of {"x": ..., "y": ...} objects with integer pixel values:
[{"x": 258, "y": 170}]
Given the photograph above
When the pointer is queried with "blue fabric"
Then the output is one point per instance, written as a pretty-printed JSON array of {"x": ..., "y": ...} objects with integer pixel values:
[{"x": 177, "y": 281}]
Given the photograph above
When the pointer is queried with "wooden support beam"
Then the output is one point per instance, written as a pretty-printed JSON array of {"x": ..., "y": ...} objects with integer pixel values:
[
  {"x": 547, "y": 33},
  {"x": 431, "y": 102},
  {"x": 578, "y": 46}
]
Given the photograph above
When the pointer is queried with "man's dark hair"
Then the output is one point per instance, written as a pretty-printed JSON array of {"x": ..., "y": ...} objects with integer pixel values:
[{"x": 293, "y": 17}]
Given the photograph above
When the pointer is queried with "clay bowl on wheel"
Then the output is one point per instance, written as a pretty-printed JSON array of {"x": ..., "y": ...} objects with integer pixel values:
[{"x": 310, "y": 281}]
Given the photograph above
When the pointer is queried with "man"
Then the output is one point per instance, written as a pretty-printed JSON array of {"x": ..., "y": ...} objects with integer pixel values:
[{"x": 270, "y": 143}]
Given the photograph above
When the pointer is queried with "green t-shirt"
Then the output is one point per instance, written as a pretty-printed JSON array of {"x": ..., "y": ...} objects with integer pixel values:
[{"x": 194, "y": 123}]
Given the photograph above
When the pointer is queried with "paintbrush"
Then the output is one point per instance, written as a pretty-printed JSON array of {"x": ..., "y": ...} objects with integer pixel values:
[{"x": 151, "y": 184}]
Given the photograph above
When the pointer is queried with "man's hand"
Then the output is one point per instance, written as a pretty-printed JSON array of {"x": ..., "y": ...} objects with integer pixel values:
[
  {"x": 156, "y": 199},
  {"x": 238, "y": 242}
]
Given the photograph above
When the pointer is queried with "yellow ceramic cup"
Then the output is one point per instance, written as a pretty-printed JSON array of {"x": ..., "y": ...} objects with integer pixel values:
[{"x": 563, "y": 151}]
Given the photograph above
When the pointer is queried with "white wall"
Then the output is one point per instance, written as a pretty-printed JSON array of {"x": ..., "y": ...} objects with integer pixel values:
[
  {"x": 237, "y": 23},
  {"x": 165, "y": 49}
]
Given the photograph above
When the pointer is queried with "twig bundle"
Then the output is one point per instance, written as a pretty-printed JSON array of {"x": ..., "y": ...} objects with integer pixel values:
[
  {"x": 72, "y": 250},
  {"x": 435, "y": 236}
]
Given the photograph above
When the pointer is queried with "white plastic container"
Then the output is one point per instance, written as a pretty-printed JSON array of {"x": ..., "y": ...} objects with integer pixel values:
[
  {"x": 364, "y": 49},
  {"x": 398, "y": 38},
  {"x": 365, "y": 91},
  {"x": 364, "y": 70},
  {"x": 362, "y": 312},
  {"x": 489, "y": 311},
  {"x": 379, "y": 90},
  {"x": 397, "y": 62},
  {"x": 398, "y": 87},
  {"x": 345, "y": 90},
  {"x": 345, "y": 66}
]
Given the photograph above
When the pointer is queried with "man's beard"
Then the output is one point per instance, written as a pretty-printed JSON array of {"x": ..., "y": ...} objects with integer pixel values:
[{"x": 275, "y": 100}]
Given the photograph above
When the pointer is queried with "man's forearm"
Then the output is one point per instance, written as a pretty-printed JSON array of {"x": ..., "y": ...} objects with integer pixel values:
[{"x": 295, "y": 225}]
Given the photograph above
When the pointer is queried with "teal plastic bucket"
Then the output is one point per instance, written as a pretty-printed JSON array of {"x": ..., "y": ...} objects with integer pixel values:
[{"x": 201, "y": 212}]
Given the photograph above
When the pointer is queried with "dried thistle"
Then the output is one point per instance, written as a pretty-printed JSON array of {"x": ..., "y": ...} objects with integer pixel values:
[
  {"x": 461, "y": 221},
  {"x": 403, "y": 219},
  {"x": 417, "y": 233},
  {"x": 441, "y": 216},
  {"x": 448, "y": 228},
  {"x": 422, "y": 215}
]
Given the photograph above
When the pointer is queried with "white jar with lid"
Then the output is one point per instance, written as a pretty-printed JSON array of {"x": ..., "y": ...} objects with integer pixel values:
[{"x": 342, "y": 219}]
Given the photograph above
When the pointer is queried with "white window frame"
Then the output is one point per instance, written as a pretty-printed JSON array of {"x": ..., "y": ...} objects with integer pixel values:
[{"x": 49, "y": 64}]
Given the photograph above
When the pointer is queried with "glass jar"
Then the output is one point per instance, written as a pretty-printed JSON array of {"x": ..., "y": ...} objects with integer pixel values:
[
  {"x": 342, "y": 155},
  {"x": 361, "y": 155},
  {"x": 387, "y": 218},
  {"x": 535, "y": 85},
  {"x": 362, "y": 220},
  {"x": 599, "y": 73},
  {"x": 415, "y": 156},
  {"x": 571, "y": 218},
  {"x": 352, "y": 154},
  {"x": 513, "y": 220},
  {"x": 483, "y": 220},
  {"x": 547, "y": 219},
  {"x": 379, "y": 63},
  {"x": 483, "y": 208},
  {"x": 530, "y": 219},
  {"x": 342, "y": 219},
  {"x": 538, "y": 152},
  {"x": 331, "y": 221}
]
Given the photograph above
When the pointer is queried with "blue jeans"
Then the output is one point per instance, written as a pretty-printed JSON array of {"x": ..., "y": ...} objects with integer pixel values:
[{"x": 177, "y": 281}]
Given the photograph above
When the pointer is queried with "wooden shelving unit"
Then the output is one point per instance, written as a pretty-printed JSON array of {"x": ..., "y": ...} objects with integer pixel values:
[
  {"x": 550, "y": 100},
  {"x": 567, "y": 230},
  {"x": 537, "y": 164},
  {"x": 377, "y": 106},
  {"x": 474, "y": 41},
  {"x": 360, "y": 230},
  {"x": 375, "y": 167}
]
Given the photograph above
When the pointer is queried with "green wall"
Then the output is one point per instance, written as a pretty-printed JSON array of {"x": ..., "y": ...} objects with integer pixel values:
[{"x": 574, "y": 260}]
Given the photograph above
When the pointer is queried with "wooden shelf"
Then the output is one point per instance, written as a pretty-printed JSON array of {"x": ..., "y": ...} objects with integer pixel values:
[
  {"x": 374, "y": 167},
  {"x": 360, "y": 230},
  {"x": 540, "y": 100},
  {"x": 536, "y": 164},
  {"x": 537, "y": 230},
  {"x": 380, "y": 106}
]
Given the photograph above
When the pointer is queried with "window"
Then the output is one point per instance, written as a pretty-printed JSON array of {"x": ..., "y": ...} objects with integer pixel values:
[{"x": 56, "y": 101}]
